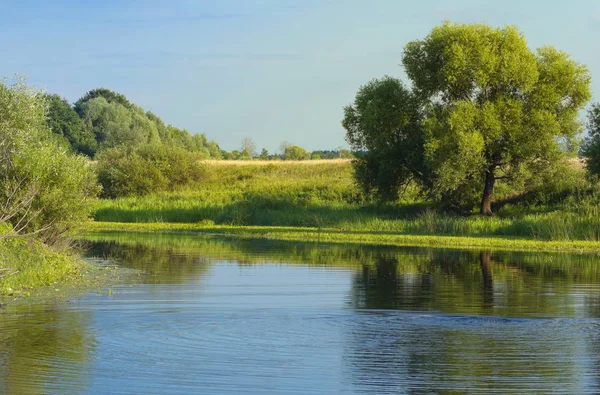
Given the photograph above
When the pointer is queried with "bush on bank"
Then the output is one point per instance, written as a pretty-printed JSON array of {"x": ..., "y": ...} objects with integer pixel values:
[
  {"x": 45, "y": 193},
  {"x": 128, "y": 171}
]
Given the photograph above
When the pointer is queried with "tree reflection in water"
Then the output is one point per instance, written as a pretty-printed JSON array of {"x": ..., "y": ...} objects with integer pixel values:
[
  {"x": 44, "y": 349},
  {"x": 485, "y": 337}
]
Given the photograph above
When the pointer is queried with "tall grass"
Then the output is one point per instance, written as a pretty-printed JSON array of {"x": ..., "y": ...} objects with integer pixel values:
[
  {"x": 325, "y": 196},
  {"x": 28, "y": 263}
]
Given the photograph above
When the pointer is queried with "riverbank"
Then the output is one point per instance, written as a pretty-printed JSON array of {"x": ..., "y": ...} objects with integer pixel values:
[
  {"x": 30, "y": 269},
  {"x": 349, "y": 237},
  {"x": 325, "y": 196}
]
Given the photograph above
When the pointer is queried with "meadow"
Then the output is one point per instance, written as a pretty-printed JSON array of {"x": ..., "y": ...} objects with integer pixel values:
[{"x": 323, "y": 196}]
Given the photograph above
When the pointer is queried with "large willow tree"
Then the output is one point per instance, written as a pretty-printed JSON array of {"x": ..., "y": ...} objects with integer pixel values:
[{"x": 491, "y": 108}]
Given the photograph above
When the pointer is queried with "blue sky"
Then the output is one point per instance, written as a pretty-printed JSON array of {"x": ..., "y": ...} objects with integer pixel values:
[{"x": 272, "y": 70}]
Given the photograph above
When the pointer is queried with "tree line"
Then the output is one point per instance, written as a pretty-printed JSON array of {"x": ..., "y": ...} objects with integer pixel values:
[
  {"x": 287, "y": 151},
  {"x": 103, "y": 119}
]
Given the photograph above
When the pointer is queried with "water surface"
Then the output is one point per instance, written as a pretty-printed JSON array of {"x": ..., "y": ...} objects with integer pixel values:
[{"x": 217, "y": 316}]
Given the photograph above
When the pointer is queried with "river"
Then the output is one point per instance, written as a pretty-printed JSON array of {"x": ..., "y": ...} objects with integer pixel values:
[{"x": 230, "y": 316}]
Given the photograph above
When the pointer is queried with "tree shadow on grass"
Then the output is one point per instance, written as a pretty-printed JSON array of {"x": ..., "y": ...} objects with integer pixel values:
[{"x": 262, "y": 212}]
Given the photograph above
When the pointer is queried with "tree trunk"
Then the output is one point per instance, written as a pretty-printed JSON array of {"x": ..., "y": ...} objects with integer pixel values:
[{"x": 488, "y": 190}]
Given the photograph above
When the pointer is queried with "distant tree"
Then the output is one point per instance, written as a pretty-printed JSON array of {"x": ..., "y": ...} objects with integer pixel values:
[
  {"x": 197, "y": 143},
  {"x": 294, "y": 152},
  {"x": 181, "y": 138},
  {"x": 243, "y": 155},
  {"x": 107, "y": 94},
  {"x": 486, "y": 108},
  {"x": 591, "y": 145},
  {"x": 234, "y": 155},
  {"x": 214, "y": 150},
  {"x": 332, "y": 154},
  {"x": 64, "y": 121},
  {"x": 162, "y": 129},
  {"x": 283, "y": 146},
  {"x": 264, "y": 154},
  {"x": 248, "y": 147},
  {"x": 200, "y": 146},
  {"x": 114, "y": 124},
  {"x": 344, "y": 153}
]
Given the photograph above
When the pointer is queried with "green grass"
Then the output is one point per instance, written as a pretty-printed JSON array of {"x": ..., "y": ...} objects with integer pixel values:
[
  {"x": 324, "y": 196},
  {"x": 27, "y": 264},
  {"x": 362, "y": 237},
  {"x": 30, "y": 268},
  {"x": 267, "y": 194}
]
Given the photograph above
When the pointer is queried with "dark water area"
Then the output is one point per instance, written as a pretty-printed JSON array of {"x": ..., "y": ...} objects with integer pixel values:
[{"x": 225, "y": 316}]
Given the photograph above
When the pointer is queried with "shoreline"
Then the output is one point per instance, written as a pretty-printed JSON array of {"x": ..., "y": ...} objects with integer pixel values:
[{"x": 331, "y": 235}]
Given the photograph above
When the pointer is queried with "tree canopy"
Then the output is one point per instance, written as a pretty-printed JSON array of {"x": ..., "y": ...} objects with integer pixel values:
[
  {"x": 385, "y": 122},
  {"x": 64, "y": 121},
  {"x": 107, "y": 94},
  {"x": 591, "y": 146},
  {"x": 295, "y": 152},
  {"x": 114, "y": 124},
  {"x": 103, "y": 119},
  {"x": 483, "y": 107}
]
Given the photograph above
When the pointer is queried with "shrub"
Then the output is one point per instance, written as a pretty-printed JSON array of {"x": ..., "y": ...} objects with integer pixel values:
[
  {"x": 44, "y": 189},
  {"x": 294, "y": 152},
  {"x": 127, "y": 171}
]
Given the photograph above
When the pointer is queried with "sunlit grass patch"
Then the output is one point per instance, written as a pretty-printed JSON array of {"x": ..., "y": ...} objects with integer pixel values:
[{"x": 330, "y": 235}]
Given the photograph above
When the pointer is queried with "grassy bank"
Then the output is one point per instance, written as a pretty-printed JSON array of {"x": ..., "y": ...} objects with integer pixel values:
[
  {"x": 27, "y": 264},
  {"x": 276, "y": 193},
  {"x": 323, "y": 195},
  {"x": 340, "y": 236},
  {"x": 30, "y": 268}
]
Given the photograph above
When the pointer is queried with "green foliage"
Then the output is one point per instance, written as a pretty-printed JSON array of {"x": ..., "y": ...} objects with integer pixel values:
[
  {"x": 497, "y": 107},
  {"x": 164, "y": 134},
  {"x": 197, "y": 143},
  {"x": 345, "y": 154},
  {"x": 491, "y": 109},
  {"x": 114, "y": 124},
  {"x": 30, "y": 264},
  {"x": 214, "y": 150},
  {"x": 264, "y": 154},
  {"x": 106, "y": 94},
  {"x": 332, "y": 154},
  {"x": 44, "y": 189},
  {"x": 110, "y": 120},
  {"x": 125, "y": 171},
  {"x": 378, "y": 238},
  {"x": 277, "y": 193},
  {"x": 591, "y": 146},
  {"x": 561, "y": 205},
  {"x": 233, "y": 155},
  {"x": 64, "y": 121},
  {"x": 384, "y": 121},
  {"x": 294, "y": 152}
]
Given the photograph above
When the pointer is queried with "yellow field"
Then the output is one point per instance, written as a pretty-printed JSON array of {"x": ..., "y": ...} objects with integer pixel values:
[{"x": 274, "y": 162}]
